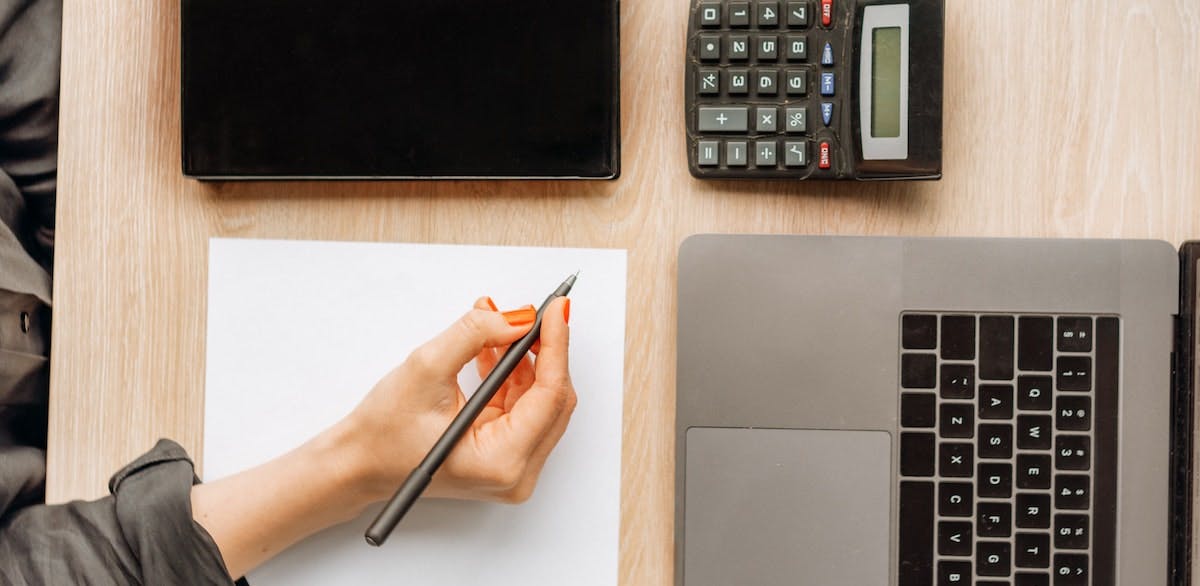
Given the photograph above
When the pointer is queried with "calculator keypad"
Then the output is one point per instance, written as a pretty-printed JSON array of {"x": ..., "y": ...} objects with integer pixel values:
[{"x": 762, "y": 89}]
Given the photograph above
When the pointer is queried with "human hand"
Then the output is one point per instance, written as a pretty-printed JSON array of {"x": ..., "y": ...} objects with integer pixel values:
[{"x": 502, "y": 455}]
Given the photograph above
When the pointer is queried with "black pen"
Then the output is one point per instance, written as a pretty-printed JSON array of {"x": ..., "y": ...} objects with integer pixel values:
[{"x": 419, "y": 478}]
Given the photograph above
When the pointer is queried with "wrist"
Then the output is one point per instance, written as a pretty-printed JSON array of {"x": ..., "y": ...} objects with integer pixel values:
[{"x": 341, "y": 457}]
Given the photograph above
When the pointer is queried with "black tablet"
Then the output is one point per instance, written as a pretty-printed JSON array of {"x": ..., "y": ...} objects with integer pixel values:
[{"x": 386, "y": 89}]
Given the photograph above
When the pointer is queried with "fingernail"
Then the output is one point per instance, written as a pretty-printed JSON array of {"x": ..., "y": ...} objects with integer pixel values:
[
  {"x": 520, "y": 317},
  {"x": 491, "y": 304},
  {"x": 567, "y": 310}
]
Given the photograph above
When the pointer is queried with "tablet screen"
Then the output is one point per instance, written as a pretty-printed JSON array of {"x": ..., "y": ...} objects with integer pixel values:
[{"x": 365, "y": 88}]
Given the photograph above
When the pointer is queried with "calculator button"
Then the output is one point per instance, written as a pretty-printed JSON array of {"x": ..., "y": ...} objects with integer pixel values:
[
  {"x": 795, "y": 155},
  {"x": 710, "y": 14},
  {"x": 739, "y": 47},
  {"x": 710, "y": 82},
  {"x": 765, "y": 119},
  {"x": 827, "y": 13},
  {"x": 735, "y": 154},
  {"x": 764, "y": 153},
  {"x": 797, "y": 123},
  {"x": 724, "y": 119},
  {"x": 827, "y": 83},
  {"x": 710, "y": 48},
  {"x": 827, "y": 112},
  {"x": 825, "y": 159},
  {"x": 827, "y": 55},
  {"x": 768, "y": 14},
  {"x": 768, "y": 79},
  {"x": 797, "y": 82},
  {"x": 739, "y": 14},
  {"x": 797, "y": 47},
  {"x": 739, "y": 81},
  {"x": 768, "y": 48},
  {"x": 706, "y": 153},
  {"x": 797, "y": 14}
]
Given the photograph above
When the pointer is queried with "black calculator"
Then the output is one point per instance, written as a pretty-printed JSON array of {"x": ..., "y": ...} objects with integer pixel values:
[{"x": 815, "y": 89}]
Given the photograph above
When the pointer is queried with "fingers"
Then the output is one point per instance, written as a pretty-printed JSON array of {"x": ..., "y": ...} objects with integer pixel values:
[
  {"x": 445, "y": 355},
  {"x": 534, "y": 415}
]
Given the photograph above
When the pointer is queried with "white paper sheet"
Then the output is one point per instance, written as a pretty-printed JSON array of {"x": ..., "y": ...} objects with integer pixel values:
[{"x": 299, "y": 331}]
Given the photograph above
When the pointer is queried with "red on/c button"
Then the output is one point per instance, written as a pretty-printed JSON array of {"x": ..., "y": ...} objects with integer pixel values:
[
  {"x": 826, "y": 12},
  {"x": 823, "y": 162}
]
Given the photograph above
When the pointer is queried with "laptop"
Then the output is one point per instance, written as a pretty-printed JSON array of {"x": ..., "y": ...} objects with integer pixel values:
[{"x": 916, "y": 412}]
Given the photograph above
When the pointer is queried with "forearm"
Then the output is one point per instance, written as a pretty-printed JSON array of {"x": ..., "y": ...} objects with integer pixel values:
[{"x": 255, "y": 514}]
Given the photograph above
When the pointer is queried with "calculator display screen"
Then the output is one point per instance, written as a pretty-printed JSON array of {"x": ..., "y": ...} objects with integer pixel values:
[{"x": 885, "y": 82}]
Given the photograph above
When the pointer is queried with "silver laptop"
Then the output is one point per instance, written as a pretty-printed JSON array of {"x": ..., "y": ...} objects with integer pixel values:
[{"x": 917, "y": 412}]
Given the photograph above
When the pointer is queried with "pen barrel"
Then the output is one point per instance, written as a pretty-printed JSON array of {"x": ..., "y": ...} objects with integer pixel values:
[{"x": 406, "y": 496}]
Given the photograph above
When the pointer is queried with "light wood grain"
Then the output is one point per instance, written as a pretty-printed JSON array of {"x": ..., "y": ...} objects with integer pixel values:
[{"x": 1062, "y": 119}]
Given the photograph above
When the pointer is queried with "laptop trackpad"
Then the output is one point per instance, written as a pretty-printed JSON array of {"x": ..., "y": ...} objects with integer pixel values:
[{"x": 767, "y": 507}]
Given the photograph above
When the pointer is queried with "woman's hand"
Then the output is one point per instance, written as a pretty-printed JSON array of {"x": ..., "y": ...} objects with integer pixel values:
[{"x": 501, "y": 456}]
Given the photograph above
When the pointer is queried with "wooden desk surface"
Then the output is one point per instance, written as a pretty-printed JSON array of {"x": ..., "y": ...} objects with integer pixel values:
[{"x": 1062, "y": 119}]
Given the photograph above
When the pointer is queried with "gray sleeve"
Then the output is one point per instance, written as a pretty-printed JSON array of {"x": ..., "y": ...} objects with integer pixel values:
[{"x": 142, "y": 534}]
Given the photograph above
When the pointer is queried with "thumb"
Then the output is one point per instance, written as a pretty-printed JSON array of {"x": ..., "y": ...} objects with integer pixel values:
[
  {"x": 446, "y": 354},
  {"x": 533, "y": 415}
]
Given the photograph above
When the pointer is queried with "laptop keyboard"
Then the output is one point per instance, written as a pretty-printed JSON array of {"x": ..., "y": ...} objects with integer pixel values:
[{"x": 1008, "y": 427}]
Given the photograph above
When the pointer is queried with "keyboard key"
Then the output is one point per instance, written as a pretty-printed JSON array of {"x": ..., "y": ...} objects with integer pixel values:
[
  {"x": 995, "y": 402},
  {"x": 917, "y": 371},
  {"x": 739, "y": 82},
  {"x": 765, "y": 119},
  {"x": 1033, "y": 511},
  {"x": 995, "y": 520},
  {"x": 768, "y": 48},
  {"x": 1035, "y": 343},
  {"x": 956, "y": 420},
  {"x": 993, "y": 558},
  {"x": 996, "y": 347},
  {"x": 1074, "y": 413},
  {"x": 995, "y": 480},
  {"x": 1071, "y": 532},
  {"x": 995, "y": 441},
  {"x": 918, "y": 409},
  {"x": 918, "y": 332},
  {"x": 1074, "y": 334},
  {"x": 1070, "y": 569},
  {"x": 826, "y": 83},
  {"x": 956, "y": 460},
  {"x": 958, "y": 337},
  {"x": 768, "y": 14},
  {"x": 824, "y": 155},
  {"x": 710, "y": 14},
  {"x": 735, "y": 153},
  {"x": 724, "y": 118},
  {"x": 1074, "y": 373},
  {"x": 768, "y": 81},
  {"x": 826, "y": 13},
  {"x": 917, "y": 453},
  {"x": 954, "y": 573},
  {"x": 707, "y": 153},
  {"x": 958, "y": 381},
  {"x": 797, "y": 14},
  {"x": 797, "y": 123},
  {"x": 797, "y": 50},
  {"x": 827, "y": 55},
  {"x": 1035, "y": 393},
  {"x": 916, "y": 534},
  {"x": 1072, "y": 492},
  {"x": 1030, "y": 579},
  {"x": 1032, "y": 550},
  {"x": 739, "y": 14},
  {"x": 739, "y": 47},
  {"x": 827, "y": 112},
  {"x": 797, "y": 82},
  {"x": 764, "y": 153},
  {"x": 1072, "y": 452},
  {"x": 710, "y": 85},
  {"x": 954, "y": 538},
  {"x": 1033, "y": 432},
  {"x": 955, "y": 499},
  {"x": 1033, "y": 471},
  {"x": 710, "y": 47},
  {"x": 795, "y": 154}
]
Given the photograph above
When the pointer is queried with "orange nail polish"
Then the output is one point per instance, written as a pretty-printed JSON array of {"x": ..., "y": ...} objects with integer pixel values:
[
  {"x": 520, "y": 317},
  {"x": 491, "y": 304},
  {"x": 567, "y": 310}
]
